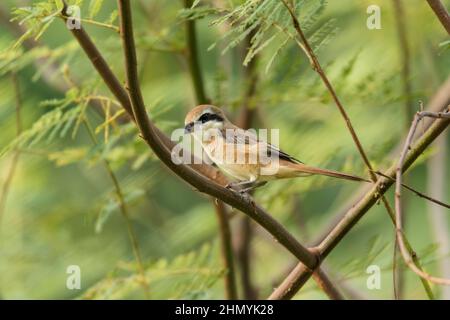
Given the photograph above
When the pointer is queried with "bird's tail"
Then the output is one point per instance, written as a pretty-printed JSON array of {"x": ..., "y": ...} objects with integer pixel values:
[{"x": 300, "y": 169}]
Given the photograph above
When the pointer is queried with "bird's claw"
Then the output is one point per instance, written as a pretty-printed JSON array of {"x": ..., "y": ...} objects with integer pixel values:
[{"x": 245, "y": 195}]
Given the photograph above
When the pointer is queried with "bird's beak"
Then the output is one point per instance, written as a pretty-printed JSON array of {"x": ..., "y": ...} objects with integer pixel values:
[{"x": 189, "y": 128}]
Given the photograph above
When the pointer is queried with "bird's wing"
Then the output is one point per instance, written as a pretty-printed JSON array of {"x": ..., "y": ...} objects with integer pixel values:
[{"x": 240, "y": 136}]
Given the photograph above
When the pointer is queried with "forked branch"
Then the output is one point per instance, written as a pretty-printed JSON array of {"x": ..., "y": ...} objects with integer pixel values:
[
  {"x": 150, "y": 135},
  {"x": 398, "y": 203},
  {"x": 298, "y": 277}
]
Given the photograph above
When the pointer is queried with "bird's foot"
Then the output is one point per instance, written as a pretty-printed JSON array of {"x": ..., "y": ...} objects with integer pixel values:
[
  {"x": 230, "y": 186},
  {"x": 245, "y": 196},
  {"x": 245, "y": 190}
]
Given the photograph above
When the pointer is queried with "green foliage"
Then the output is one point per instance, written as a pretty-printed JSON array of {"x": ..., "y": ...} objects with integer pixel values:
[
  {"x": 94, "y": 8},
  {"x": 63, "y": 208},
  {"x": 112, "y": 205},
  {"x": 53, "y": 124},
  {"x": 188, "y": 276},
  {"x": 66, "y": 114},
  {"x": 37, "y": 18},
  {"x": 267, "y": 21},
  {"x": 445, "y": 46}
]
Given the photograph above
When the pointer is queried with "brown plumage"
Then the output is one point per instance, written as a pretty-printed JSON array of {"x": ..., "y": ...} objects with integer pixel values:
[
  {"x": 301, "y": 168},
  {"x": 224, "y": 143}
]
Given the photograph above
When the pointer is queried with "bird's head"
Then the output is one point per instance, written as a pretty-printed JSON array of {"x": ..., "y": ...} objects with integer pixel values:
[{"x": 204, "y": 117}]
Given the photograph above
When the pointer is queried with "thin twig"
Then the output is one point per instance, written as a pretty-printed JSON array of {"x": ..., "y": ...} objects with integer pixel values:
[
  {"x": 124, "y": 211},
  {"x": 418, "y": 193},
  {"x": 298, "y": 277},
  {"x": 192, "y": 52},
  {"x": 437, "y": 170},
  {"x": 116, "y": 88},
  {"x": 150, "y": 135},
  {"x": 398, "y": 275},
  {"x": 398, "y": 205},
  {"x": 439, "y": 102},
  {"x": 246, "y": 232},
  {"x": 405, "y": 60},
  {"x": 223, "y": 219},
  {"x": 299, "y": 274},
  {"x": 15, "y": 158},
  {"x": 226, "y": 250},
  {"x": 327, "y": 285},
  {"x": 318, "y": 68},
  {"x": 441, "y": 12},
  {"x": 320, "y": 276}
]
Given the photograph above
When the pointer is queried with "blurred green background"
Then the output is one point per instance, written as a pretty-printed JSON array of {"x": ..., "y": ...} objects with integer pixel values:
[{"x": 60, "y": 209}]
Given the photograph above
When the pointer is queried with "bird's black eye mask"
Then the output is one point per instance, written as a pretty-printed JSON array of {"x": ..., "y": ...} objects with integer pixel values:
[
  {"x": 209, "y": 117},
  {"x": 206, "y": 117}
]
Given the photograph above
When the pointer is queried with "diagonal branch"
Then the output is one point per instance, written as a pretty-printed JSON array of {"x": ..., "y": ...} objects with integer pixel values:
[
  {"x": 327, "y": 285},
  {"x": 306, "y": 47},
  {"x": 398, "y": 203},
  {"x": 418, "y": 193},
  {"x": 439, "y": 101},
  {"x": 125, "y": 214},
  {"x": 192, "y": 52},
  {"x": 150, "y": 135},
  {"x": 292, "y": 283},
  {"x": 297, "y": 278},
  {"x": 121, "y": 95},
  {"x": 246, "y": 118},
  {"x": 441, "y": 13},
  {"x": 220, "y": 208},
  {"x": 226, "y": 250},
  {"x": 205, "y": 178},
  {"x": 398, "y": 274},
  {"x": 318, "y": 68},
  {"x": 246, "y": 231}
]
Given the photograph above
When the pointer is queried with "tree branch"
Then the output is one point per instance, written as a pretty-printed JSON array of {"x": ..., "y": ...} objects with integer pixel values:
[
  {"x": 121, "y": 95},
  {"x": 193, "y": 61},
  {"x": 326, "y": 285},
  {"x": 306, "y": 47},
  {"x": 441, "y": 13},
  {"x": 297, "y": 278},
  {"x": 437, "y": 171},
  {"x": 246, "y": 232},
  {"x": 125, "y": 214},
  {"x": 417, "y": 193},
  {"x": 15, "y": 158},
  {"x": 205, "y": 178},
  {"x": 226, "y": 251},
  {"x": 398, "y": 203},
  {"x": 437, "y": 103},
  {"x": 398, "y": 274},
  {"x": 220, "y": 209},
  {"x": 150, "y": 135},
  {"x": 405, "y": 59}
]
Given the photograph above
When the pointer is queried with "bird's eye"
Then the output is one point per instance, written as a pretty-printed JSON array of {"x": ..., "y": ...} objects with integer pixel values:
[{"x": 205, "y": 117}]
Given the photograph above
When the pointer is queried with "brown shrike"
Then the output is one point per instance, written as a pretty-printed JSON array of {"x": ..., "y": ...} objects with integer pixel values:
[{"x": 241, "y": 155}]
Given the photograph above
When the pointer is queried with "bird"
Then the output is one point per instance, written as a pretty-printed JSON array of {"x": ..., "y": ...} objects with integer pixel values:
[{"x": 260, "y": 162}]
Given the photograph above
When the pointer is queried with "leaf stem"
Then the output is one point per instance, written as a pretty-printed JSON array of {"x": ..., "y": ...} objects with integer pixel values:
[{"x": 124, "y": 211}]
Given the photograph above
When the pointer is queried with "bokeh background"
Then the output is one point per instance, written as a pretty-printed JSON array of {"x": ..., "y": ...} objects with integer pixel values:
[{"x": 58, "y": 203}]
